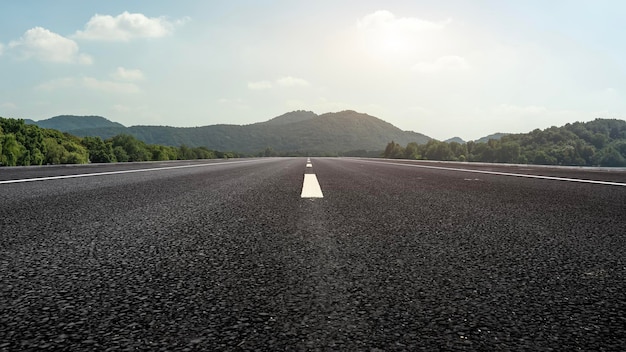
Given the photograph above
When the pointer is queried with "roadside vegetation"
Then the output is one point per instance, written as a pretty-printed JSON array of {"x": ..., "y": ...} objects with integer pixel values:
[
  {"x": 24, "y": 144},
  {"x": 601, "y": 142}
]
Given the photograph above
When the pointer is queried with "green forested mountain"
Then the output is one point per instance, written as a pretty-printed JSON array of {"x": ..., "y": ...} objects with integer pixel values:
[
  {"x": 298, "y": 131},
  {"x": 455, "y": 139},
  {"x": 486, "y": 139},
  {"x": 69, "y": 123},
  {"x": 291, "y": 117},
  {"x": 601, "y": 142}
]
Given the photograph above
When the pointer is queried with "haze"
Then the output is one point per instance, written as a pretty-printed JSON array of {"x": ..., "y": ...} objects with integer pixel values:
[{"x": 444, "y": 68}]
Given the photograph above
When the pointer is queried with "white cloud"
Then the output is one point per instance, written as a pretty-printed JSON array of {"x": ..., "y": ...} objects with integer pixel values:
[
  {"x": 109, "y": 86},
  {"x": 230, "y": 100},
  {"x": 385, "y": 38},
  {"x": 126, "y": 26},
  {"x": 8, "y": 105},
  {"x": 287, "y": 81},
  {"x": 66, "y": 82},
  {"x": 85, "y": 59},
  {"x": 444, "y": 63},
  {"x": 514, "y": 110},
  {"x": 384, "y": 19},
  {"x": 45, "y": 45},
  {"x": 418, "y": 110},
  {"x": 121, "y": 108},
  {"x": 90, "y": 83},
  {"x": 260, "y": 85},
  {"x": 233, "y": 103},
  {"x": 292, "y": 82},
  {"x": 610, "y": 91},
  {"x": 123, "y": 74}
]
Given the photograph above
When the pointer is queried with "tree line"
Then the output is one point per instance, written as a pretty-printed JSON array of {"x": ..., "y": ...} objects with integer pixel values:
[
  {"x": 601, "y": 142},
  {"x": 23, "y": 144}
]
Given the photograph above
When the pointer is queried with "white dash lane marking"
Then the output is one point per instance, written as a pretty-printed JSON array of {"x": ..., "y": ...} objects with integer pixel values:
[
  {"x": 311, "y": 187},
  {"x": 309, "y": 165}
]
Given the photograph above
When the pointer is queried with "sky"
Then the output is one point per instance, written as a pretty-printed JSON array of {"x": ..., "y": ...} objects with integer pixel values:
[{"x": 446, "y": 68}]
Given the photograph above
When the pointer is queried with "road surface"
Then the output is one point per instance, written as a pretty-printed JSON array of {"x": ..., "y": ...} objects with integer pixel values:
[{"x": 389, "y": 255}]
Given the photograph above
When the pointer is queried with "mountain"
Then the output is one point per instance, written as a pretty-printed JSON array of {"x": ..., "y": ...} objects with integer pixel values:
[
  {"x": 455, "y": 139},
  {"x": 69, "y": 123},
  {"x": 496, "y": 136},
  {"x": 295, "y": 131},
  {"x": 291, "y": 117}
]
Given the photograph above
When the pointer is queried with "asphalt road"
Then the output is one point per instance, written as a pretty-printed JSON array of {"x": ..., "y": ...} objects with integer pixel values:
[{"x": 225, "y": 255}]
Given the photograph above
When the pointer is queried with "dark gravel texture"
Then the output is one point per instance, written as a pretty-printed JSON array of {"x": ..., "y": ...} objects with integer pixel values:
[{"x": 228, "y": 257}]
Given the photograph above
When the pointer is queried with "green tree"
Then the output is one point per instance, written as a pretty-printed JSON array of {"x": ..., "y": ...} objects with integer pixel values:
[
  {"x": 203, "y": 153},
  {"x": 158, "y": 152},
  {"x": 411, "y": 151},
  {"x": 508, "y": 152},
  {"x": 394, "y": 151},
  {"x": 436, "y": 150},
  {"x": 11, "y": 150},
  {"x": 99, "y": 151},
  {"x": 55, "y": 152},
  {"x": 611, "y": 157},
  {"x": 185, "y": 153},
  {"x": 135, "y": 149},
  {"x": 120, "y": 154},
  {"x": 459, "y": 151}
]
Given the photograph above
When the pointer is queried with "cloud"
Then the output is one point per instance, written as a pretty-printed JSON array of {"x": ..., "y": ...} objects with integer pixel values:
[
  {"x": 287, "y": 81},
  {"x": 384, "y": 19},
  {"x": 90, "y": 83},
  {"x": 508, "y": 110},
  {"x": 230, "y": 100},
  {"x": 123, "y": 74},
  {"x": 8, "y": 105},
  {"x": 85, "y": 59},
  {"x": 109, "y": 86},
  {"x": 418, "y": 110},
  {"x": 260, "y": 85},
  {"x": 66, "y": 82},
  {"x": 122, "y": 108},
  {"x": 292, "y": 82},
  {"x": 444, "y": 63},
  {"x": 126, "y": 26},
  {"x": 45, "y": 45}
]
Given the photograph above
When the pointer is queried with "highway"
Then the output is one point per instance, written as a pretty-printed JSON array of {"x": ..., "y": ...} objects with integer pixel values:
[{"x": 378, "y": 255}]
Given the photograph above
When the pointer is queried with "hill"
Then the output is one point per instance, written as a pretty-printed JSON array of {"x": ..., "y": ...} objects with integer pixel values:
[
  {"x": 302, "y": 131},
  {"x": 291, "y": 117},
  {"x": 68, "y": 123},
  {"x": 455, "y": 139},
  {"x": 497, "y": 136}
]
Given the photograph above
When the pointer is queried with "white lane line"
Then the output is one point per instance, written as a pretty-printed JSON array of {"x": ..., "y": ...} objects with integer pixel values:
[
  {"x": 309, "y": 165},
  {"x": 120, "y": 172},
  {"x": 311, "y": 187},
  {"x": 609, "y": 183}
]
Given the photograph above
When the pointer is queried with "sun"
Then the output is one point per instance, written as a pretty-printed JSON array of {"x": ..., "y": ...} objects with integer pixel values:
[{"x": 386, "y": 44}]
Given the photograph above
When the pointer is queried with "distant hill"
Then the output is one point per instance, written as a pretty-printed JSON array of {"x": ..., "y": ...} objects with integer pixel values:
[
  {"x": 291, "y": 117},
  {"x": 69, "y": 123},
  {"x": 455, "y": 139},
  {"x": 496, "y": 136},
  {"x": 295, "y": 131}
]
